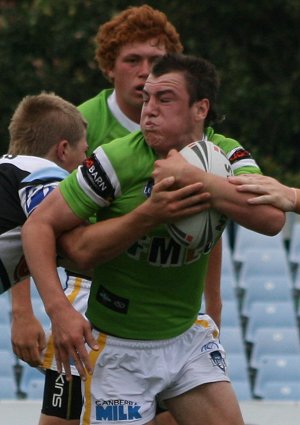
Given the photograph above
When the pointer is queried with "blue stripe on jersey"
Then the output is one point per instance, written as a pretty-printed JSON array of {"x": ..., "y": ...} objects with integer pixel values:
[{"x": 46, "y": 174}]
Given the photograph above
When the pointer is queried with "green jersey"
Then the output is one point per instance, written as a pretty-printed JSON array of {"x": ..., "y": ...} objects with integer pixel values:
[
  {"x": 154, "y": 289},
  {"x": 103, "y": 127}
]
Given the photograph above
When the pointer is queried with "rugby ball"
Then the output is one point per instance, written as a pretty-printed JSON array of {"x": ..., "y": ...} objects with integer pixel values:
[{"x": 201, "y": 231}]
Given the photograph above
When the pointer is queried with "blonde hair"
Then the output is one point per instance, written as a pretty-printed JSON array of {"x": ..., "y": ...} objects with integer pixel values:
[
  {"x": 134, "y": 24},
  {"x": 41, "y": 121}
]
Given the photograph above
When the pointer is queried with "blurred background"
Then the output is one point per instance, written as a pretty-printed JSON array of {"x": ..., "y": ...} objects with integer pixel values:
[{"x": 255, "y": 45}]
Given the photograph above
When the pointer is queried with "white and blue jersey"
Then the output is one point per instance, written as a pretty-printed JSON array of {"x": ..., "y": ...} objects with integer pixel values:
[{"x": 24, "y": 182}]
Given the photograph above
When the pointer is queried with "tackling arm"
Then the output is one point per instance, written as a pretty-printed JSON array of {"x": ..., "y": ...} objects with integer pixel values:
[{"x": 224, "y": 197}]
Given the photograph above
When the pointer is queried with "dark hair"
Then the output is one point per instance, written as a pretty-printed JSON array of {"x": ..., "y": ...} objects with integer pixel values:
[{"x": 201, "y": 77}]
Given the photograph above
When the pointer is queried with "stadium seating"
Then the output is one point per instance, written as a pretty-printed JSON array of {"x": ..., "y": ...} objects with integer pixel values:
[
  {"x": 294, "y": 248},
  {"x": 270, "y": 263},
  {"x": 271, "y": 341},
  {"x": 282, "y": 391},
  {"x": 269, "y": 314},
  {"x": 283, "y": 368},
  {"x": 230, "y": 314},
  {"x": 246, "y": 239},
  {"x": 5, "y": 337},
  {"x": 266, "y": 289},
  {"x": 232, "y": 340},
  {"x": 29, "y": 375}
]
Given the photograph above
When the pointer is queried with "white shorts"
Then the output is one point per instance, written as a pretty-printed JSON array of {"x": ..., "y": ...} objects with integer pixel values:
[
  {"x": 130, "y": 375},
  {"x": 77, "y": 291}
]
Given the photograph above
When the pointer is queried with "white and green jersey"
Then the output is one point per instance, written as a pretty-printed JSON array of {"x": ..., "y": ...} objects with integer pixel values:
[
  {"x": 154, "y": 289},
  {"x": 103, "y": 127}
]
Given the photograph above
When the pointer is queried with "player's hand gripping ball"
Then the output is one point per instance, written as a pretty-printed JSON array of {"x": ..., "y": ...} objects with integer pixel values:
[{"x": 202, "y": 231}]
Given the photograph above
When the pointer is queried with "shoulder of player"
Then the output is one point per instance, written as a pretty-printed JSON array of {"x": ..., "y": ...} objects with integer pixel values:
[
  {"x": 26, "y": 163},
  {"x": 95, "y": 103}
]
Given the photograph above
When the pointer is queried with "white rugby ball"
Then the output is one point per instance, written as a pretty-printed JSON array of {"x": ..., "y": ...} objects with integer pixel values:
[{"x": 201, "y": 231}]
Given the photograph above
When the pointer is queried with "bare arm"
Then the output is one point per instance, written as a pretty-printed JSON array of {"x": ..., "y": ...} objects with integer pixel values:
[
  {"x": 269, "y": 190},
  {"x": 212, "y": 287},
  {"x": 264, "y": 219},
  {"x": 27, "y": 334},
  {"x": 116, "y": 235},
  {"x": 70, "y": 330}
]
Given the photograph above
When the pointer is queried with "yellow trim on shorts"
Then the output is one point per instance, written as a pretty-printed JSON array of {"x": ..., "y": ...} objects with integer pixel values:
[
  {"x": 49, "y": 351},
  {"x": 93, "y": 355}
]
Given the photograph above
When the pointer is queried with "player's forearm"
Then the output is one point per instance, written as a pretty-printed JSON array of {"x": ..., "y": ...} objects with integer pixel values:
[
  {"x": 260, "y": 218},
  {"x": 40, "y": 251},
  {"x": 21, "y": 299},
  {"x": 97, "y": 243}
]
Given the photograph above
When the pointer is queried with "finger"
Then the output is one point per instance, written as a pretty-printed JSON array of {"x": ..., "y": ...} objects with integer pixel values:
[
  {"x": 265, "y": 199},
  {"x": 244, "y": 179},
  {"x": 164, "y": 184},
  {"x": 188, "y": 191},
  {"x": 171, "y": 153},
  {"x": 252, "y": 188}
]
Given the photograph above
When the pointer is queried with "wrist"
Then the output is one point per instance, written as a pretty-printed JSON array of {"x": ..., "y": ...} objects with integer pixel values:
[{"x": 296, "y": 200}]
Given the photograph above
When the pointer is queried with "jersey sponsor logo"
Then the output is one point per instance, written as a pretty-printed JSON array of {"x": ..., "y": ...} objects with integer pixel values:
[
  {"x": 57, "y": 398},
  {"x": 239, "y": 154},
  {"x": 117, "y": 410},
  {"x": 112, "y": 301},
  {"x": 97, "y": 179},
  {"x": 34, "y": 196},
  {"x": 148, "y": 188},
  {"x": 162, "y": 251}
]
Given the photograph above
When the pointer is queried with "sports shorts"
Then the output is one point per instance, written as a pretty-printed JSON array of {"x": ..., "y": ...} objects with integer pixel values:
[
  {"x": 61, "y": 398},
  {"x": 130, "y": 376},
  {"x": 77, "y": 289}
]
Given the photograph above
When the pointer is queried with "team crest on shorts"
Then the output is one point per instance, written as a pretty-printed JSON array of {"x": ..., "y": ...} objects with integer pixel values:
[{"x": 218, "y": 360}]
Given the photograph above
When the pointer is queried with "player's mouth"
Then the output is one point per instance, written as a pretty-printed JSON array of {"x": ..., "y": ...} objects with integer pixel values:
[{"x": 139, "y": 88}]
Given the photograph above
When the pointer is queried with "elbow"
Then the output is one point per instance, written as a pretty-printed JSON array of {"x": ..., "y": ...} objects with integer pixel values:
[{"x": 275, "y": 223}]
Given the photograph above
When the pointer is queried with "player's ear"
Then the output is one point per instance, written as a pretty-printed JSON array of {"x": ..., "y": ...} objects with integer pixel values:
[
  {"x": 62, "y": 149},
  {"x": 201, "y": 108},
  {"x": 110, "y": 74}
]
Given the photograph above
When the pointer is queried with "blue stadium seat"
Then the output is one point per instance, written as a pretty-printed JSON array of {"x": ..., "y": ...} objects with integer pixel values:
[
  {"x": 270, "y": 341},
  {"x": 7, "y": 362},
  {"x": 265, "y": 289},
  {"x": 228, "y": 288},
  {"x": 237, "y": 366},
  {"x": 29, "y": 374},
  {"x": 294, "y": 248},
  {"x": 5, "y": 337},
  {"x": 227, "y": 269},
  {"x": 269, "y": 314},
  {"x": 232, "y": 340},
  {"x": 246, "y": 239},
  {"x": 40, "y": 313},
  {"x": 230, "y": 313},
  {"x": 282, "y": 391},
  {"x": 270, "y": 263},
  {"x": 284, "y": 368},
  {"x": 5, "y": 310},
  {"x": 242, "y": 390}
]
